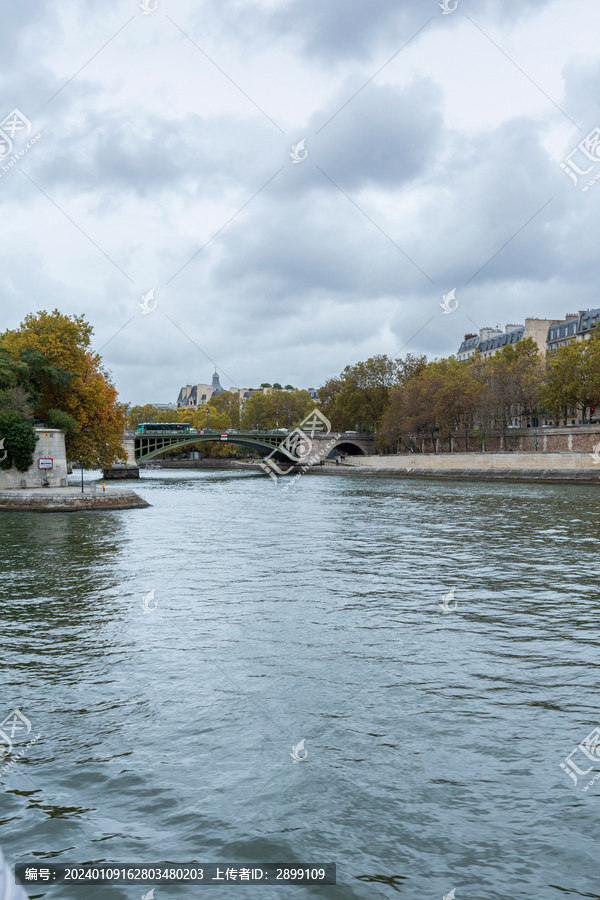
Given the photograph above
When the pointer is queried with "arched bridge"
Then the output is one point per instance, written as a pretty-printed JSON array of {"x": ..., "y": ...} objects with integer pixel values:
[{"x": 143, "y": 446}]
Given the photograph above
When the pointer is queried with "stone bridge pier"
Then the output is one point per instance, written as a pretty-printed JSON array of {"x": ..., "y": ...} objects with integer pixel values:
[{"x": 130, "y": 469}]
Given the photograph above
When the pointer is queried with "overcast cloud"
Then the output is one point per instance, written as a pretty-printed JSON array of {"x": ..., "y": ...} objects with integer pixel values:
[{"x": 433, "y": 146}]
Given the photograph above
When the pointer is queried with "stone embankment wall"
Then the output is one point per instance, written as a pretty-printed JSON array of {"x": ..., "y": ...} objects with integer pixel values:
[
  {"x": 522, "y": 440},
  {"x": 69, "y": 499},
  {"x": 519, "y": 466},
  {"x": 219, "y": 463},
  {"x": 50, "y": 445}
]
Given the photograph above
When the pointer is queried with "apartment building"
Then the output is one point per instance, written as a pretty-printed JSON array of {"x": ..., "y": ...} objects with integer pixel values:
[
  {"x": 490, "y": 341},
  {"x": 575, "y": 327}
]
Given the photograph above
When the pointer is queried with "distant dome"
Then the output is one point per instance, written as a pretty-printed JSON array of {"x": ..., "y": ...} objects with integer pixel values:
[{"x": 217, "y": 389}]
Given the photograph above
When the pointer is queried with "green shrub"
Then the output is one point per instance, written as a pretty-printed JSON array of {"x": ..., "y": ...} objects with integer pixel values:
[
  {"x": 18, "y": 441},
  {"x": 56, "y": 418}
]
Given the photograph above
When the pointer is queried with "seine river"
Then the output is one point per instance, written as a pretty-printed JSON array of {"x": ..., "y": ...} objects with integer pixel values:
[{"x": 432, "y": 740}]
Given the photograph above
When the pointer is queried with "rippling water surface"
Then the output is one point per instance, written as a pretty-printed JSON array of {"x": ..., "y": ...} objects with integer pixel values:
[{"x": 434, "y": 739}]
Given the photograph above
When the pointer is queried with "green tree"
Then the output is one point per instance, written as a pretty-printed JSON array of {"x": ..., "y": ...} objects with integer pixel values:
[
  {"x": 56, "y": 418},
  {"x": 139, "y": 414},
  {"x": 18, "y": 441},
  {"x": 359, "y": 397}
]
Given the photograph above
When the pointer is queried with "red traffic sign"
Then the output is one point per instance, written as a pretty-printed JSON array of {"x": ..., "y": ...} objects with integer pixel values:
[{"x": 224, "y": 436}]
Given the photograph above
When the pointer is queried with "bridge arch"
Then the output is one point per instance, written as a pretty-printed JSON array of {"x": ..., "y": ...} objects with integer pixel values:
[
  {"x": 349, "y": 448},
  {"x": 148, "y": 446}
]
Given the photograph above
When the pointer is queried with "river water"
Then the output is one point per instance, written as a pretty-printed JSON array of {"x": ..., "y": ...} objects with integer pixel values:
[{"x": 433, "y": 739}]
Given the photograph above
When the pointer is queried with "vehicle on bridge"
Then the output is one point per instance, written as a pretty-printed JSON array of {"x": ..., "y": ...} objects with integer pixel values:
[{"x": 182, "y": 427}]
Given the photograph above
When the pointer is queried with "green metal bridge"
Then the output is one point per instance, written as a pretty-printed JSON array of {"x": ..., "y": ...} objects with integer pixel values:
[{"x": 143, "y": 446}]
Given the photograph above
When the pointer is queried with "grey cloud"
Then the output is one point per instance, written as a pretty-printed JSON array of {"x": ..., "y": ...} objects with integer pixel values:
[
  {"x": 143, "y": 153},
  {"x": 339, "y": 30},
  {"x": 385, "y": 136}
]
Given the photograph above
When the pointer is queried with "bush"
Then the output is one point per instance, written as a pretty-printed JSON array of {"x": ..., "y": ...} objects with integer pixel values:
[
  {"x": 19, "y": 440},
  {"x": 56, "y": 418}
]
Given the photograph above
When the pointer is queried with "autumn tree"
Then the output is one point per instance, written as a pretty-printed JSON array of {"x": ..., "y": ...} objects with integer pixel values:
[
  {"x": 573, "y": 380},
  {"x": 358, "y": 397},
  {"x": 284, "y": 409},
  {"x": 65, "y": 375},
  {"x": 227, "y": 403},
  {"x": 409, "y": 415},
  {"x": 456, "y": 398},
  {"x": 139, "y": 414},
  {"x": 15, "y": 395}
]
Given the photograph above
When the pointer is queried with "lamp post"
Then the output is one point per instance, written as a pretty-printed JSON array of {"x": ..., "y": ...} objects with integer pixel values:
[{"x": 535, "y": 425}]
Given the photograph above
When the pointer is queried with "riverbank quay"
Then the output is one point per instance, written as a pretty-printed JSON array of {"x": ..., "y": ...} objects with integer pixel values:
[
  {"x": 70, "y": 499},
  {"x": 224, "y": 463},
  {"x": 566, "y": 467}
]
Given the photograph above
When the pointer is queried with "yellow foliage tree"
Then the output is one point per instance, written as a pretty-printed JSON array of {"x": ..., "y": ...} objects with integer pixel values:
[{"x": 90, "y": 396}]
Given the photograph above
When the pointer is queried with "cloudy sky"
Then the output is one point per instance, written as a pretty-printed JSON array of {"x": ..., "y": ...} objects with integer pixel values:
[{"x": 431, "y": 154}]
